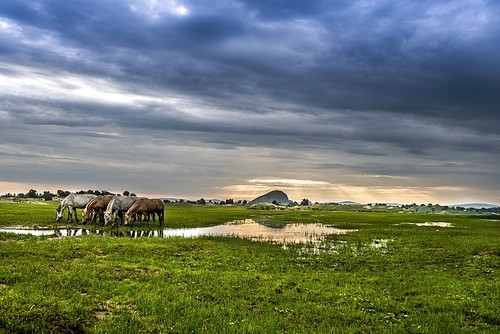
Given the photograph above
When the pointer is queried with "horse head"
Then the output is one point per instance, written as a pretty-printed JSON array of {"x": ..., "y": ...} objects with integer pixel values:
[
  {"x": 128, "y": 218},
  {"x": 86, "y": 215},
  {"x": 59, "y": 213}
]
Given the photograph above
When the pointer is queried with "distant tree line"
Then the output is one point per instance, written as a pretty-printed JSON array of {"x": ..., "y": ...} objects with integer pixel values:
[
  {"x": 47, "y": 195},
  {"x": 228, "y": 201}
]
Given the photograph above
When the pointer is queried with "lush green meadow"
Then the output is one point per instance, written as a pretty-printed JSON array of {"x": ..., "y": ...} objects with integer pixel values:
[{"x": 419, "y": 279}]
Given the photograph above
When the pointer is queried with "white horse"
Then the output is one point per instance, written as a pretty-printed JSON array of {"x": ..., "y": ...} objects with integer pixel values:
[
  {"x": 118, "y": 206},
  {"x": 73, "y": 202}
]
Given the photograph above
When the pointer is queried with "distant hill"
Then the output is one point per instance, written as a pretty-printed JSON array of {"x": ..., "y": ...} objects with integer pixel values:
[
  {"x": 276, "y": 196},
  {"x": 476, "y": 205}
]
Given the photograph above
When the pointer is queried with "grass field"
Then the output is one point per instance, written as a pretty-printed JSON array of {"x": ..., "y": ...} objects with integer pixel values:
[{"x": 419, "y": 279}]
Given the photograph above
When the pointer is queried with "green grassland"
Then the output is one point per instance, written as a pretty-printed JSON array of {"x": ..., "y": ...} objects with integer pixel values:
[{"x": 425, "y": 279}]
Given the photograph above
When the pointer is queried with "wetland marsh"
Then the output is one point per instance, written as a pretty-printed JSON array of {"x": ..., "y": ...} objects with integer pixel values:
[{"x": 395, "y": 273}]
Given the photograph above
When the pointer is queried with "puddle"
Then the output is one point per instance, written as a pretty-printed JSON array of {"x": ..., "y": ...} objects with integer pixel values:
[
  {"x": 435, "y": 224},
  {"x": 335, "y": 246},
  {"x": 430, "y": 224},
  {"x": 283, "y": 234},
  {"x": 20, "y": 230},
  {"x": 380, "y": 243}
]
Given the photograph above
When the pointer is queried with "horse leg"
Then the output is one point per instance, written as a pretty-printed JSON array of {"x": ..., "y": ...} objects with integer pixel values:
[
  {"x": 70, "y": 218},
  {"x": 94, "y": 215},
  {"x": 161, "y": 218},
  {"x": 76, "y": 214}
]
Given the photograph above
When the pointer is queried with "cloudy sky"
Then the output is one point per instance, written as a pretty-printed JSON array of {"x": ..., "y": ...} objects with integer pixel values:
[{"x": 330, "y": 100}]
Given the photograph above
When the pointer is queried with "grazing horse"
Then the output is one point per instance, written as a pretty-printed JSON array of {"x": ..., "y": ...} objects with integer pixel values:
[
  {"x": 145, "y": 207},
  {"x": 96, "y": 208},
  {"x": 117, "y": 207},
  {"x": 73, "y": 202}
]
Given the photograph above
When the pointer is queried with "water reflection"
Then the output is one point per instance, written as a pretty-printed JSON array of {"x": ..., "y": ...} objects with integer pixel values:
[
  {"x": 34, "y": 232},
  {"x": 284, "y": 234},
  {"x": 336, "y": 246},
  {"x": 434, "y": 224},
  {"x": 430, "y": 224},
  {"x": 276, "y": 233}
]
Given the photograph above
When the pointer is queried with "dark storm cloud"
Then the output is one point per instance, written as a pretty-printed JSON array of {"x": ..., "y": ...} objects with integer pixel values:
[{"x": 434, "y": 60}]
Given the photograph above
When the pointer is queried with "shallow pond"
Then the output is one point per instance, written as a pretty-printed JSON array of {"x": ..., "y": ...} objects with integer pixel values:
[
  {"x": 434, "y": 224},
  {"x": 283, "y": 234}
]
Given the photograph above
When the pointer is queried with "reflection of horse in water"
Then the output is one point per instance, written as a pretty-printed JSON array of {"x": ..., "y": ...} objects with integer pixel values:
[
  {"x": 95, "y": 209},
  {"x": 73, "y": 232},
  {"x": 117, "y": 207},
  {"x": 73, "y": 202}
]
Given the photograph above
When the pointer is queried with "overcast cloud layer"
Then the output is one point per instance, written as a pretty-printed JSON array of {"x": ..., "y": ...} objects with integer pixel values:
[{"x": 331, "y": 100}]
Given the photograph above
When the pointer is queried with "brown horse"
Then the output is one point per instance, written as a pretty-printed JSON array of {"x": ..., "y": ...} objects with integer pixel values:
[
  {"x": 145, "y": 206},
  {"x": 96, "y": 208}
]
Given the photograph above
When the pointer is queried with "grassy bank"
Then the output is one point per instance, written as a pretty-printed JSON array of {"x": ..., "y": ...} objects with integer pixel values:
[{"x": 417, "y": 279}]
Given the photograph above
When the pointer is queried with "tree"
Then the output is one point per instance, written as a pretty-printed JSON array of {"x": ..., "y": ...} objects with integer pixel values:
[
  {"x": 126, "y": 193},
  {"x": 32, "y": 194},
  {"x": 201, "y": 201},
  {"x": 62, "y": 193},
  {"x": 305, "y": 202},
  {"x": 47, "y": 196}
]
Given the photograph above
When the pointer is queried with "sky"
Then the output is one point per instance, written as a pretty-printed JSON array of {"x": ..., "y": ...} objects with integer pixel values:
[{"x": 369, "y": 101}]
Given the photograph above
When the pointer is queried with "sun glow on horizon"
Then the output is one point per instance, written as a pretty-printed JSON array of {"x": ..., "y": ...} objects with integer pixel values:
[{"x": 322, "y": 191}]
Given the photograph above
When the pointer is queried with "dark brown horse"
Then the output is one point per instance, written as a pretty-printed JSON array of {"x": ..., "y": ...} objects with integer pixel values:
[
  {"x": 145, "y": 206},
  {"x": 96, "y": 208}
]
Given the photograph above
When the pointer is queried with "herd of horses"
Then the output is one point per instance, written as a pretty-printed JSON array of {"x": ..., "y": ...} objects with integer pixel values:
[{"x": 107, "y": 208}]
